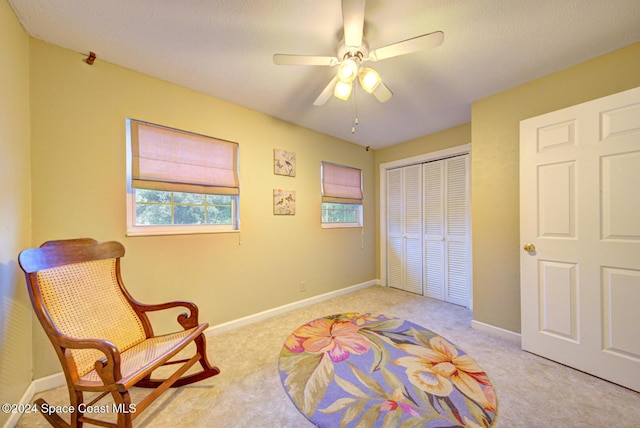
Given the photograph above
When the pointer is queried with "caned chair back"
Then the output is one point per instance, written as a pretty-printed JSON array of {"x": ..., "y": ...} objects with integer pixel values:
[
  {"x": 84, "y": 300},
  {"x": 76, "y": 292},
  {"x": 103, "y": 336}
]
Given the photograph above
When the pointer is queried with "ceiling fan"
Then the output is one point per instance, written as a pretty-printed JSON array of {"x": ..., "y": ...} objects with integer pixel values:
[{"x": 353, "y": 51}]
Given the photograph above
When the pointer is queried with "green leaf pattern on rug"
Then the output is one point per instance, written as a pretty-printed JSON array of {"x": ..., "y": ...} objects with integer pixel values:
[
  {"x": 412, "y": 377},
  {"x": 308, "y": 381}
]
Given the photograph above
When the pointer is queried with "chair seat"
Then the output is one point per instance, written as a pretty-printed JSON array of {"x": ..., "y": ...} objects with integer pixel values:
[
  {"x": 77, "y": 293},
  {"x": 136, "y": 361}
]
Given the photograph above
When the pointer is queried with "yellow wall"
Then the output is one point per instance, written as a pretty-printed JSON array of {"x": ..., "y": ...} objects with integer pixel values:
[
  {"x": 62, "y": 155},
  {"x": 78, "y": 157},
  {"x": 15, "y": 209},
  {"x": 452, "y": 137},
  {"x": 495, "y": 176},
  {"x": 494, "y": 136}
]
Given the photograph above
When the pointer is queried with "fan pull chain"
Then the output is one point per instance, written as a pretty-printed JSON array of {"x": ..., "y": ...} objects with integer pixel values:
[{"x": 355, "y": 110}]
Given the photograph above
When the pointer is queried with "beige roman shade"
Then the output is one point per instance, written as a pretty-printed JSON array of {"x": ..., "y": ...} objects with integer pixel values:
[
  {"x": 178, "y": 161},
  {"x": 341, "y": 184}
]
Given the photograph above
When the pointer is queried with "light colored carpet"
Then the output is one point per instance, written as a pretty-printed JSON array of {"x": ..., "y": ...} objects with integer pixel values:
[{"x": 531, "y": 391}]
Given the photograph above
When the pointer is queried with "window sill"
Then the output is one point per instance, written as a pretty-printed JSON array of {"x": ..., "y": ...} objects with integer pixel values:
[
  {"x": 178, "y": 230},
  {"x": 340, "y": 225}
]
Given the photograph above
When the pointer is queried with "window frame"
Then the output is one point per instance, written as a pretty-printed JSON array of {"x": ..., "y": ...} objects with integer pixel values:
[
  {"x": 133, "y": 229},
  {"x": 336, "y": 200},
  {"x": 338, "y": 225}
]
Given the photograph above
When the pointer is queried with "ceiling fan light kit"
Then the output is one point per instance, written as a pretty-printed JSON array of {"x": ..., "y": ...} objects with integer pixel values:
[
  {"x": 342, "y": 90},
  {"x": 369, "y": 79},
  {"x": 353, "y": 51},
  {"x": 348, "y": 70}
]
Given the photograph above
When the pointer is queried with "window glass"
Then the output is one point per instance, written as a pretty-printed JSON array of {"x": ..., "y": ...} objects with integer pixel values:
[
  {"x": 179, "y": 182},
  {"x": 340, "y": 213},
  {"x": 157, "y": 207},
  {"x": 341, "y": 195}
]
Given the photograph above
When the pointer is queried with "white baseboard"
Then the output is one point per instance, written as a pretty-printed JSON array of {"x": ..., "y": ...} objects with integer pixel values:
[
  {"x": 25, "y": 399},
  {"x": 37, "y": 385},
  {"x": 269, "y": 313},
  {"x": 57, "y": 379},
  {"x": 48, "y": 382},
  {"x": 497, "y": 331}
]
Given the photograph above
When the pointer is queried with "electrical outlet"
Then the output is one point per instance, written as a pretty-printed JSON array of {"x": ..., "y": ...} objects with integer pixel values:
[{"x": 303, "y": 286}]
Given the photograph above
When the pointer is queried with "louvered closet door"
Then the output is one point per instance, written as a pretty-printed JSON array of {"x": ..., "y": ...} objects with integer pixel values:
[
  {"x": 404, "y": 228},
  {"x": 395, "y": 240},
  {"x": 434, "y": 245},
  {"x": 413, "y": 228},
  {"x": 457, "y": 230},
  {"x": 446, "y": 230}
]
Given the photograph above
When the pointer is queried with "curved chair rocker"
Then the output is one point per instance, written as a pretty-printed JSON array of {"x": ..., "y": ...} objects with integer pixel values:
[{"x": 102, "y": 336}]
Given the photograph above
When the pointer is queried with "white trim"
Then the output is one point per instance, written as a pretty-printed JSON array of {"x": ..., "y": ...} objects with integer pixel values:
[
  {"x": 37, "y": 385},
  {"x": 340, "y": 225},
  {"x": 24, "y": 400},
  {"x": 359, "y": 223},
  {"x": 269, "y": 313},
  {"x": 426, "y": 157},
  {"x": 49, "y": 382},
  {"x": 57, "y": 379},
  {"x": 177, "y": 229},
  {"x": 170, "y": 229},
  {"x": 497, "y": 331}
]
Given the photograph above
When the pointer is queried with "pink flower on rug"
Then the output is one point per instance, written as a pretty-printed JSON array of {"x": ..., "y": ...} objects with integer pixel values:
[
  {"x": 436, "y": 370},
  {"x": 395, "y": 401},
  {"x": 338, "y": 339},
  {"x": 390, "y": 406}
]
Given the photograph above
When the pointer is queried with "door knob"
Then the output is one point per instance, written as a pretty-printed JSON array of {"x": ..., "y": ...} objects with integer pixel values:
[{"x": 529, "y": 248}]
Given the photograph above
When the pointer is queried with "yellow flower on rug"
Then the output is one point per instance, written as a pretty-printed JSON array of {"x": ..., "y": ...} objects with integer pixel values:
[
  {"x": 371, "y": 370},
  {"x": 438, "y": 369}
]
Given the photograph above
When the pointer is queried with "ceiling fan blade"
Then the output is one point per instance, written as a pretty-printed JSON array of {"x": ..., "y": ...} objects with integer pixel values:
[
  {"x": 284, "y": 59},
  {"x": 382, "y": 93},
  {"x": 353, "y": 20},
  {"x": 326, "y": 92},
  {"x": 426, "y": 41}
]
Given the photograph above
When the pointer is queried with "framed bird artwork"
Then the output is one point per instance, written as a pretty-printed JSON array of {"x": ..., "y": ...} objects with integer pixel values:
[{"x": 284, "y": 163}]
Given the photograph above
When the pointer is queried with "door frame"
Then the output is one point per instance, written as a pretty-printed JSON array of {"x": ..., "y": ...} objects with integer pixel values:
[{"x": 418, "y": 159}]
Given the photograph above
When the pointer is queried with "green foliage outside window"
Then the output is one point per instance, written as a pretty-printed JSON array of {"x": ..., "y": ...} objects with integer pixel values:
[
  {"x": 340, "y": 213},
  {"x": 156, "y": 207}
]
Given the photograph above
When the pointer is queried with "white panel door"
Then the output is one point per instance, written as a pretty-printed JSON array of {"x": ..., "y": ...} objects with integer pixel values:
[{"x": 580, "y": 231}]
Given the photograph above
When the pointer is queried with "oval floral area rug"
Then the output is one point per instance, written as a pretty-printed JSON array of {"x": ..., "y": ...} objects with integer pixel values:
[{"x": 369, "y": 370}]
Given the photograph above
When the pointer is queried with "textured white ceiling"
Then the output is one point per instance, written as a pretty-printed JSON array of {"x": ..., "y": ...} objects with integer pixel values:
[{"x": 224, "y": 48}]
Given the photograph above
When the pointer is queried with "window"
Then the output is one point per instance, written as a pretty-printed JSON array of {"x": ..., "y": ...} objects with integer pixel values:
[
  {"x": 341, "y": 195},
  {"x": 179, "y": 182}
]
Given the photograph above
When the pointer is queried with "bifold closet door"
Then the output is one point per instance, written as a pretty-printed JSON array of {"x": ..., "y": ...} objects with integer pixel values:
[
  {"x": 404, "y": 228},
  {"x": 434, "y": 227},
  {"x": 458, "y": 289},
  {"x": 446, "y": 230}
]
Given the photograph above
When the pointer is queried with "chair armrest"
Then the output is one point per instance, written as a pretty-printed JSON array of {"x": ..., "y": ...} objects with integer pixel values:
[
  {"x": 187, "y": 321},
  {"x": 108, "y": 367}
]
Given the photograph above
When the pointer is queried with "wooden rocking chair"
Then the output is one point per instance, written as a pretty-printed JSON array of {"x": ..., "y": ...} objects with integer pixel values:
[{"x": 102, "y": 336}]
